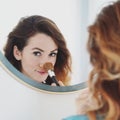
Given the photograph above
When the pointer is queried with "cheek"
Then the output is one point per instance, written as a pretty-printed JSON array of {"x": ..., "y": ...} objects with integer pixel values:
[
  {"x": 29, "y": 59},
  {"x": 27, "y": 62}
]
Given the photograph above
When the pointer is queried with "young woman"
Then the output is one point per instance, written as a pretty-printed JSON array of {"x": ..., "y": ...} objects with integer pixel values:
[
  {"x": 104, "y": 81},
  {"x": 34, "y": 41}
]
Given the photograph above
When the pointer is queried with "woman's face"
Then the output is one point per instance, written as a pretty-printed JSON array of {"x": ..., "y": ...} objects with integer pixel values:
[{"x": 39, "y": 50}]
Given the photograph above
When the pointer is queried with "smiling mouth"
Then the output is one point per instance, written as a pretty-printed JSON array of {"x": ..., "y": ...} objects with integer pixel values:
[{"x": 41, "y": 72}]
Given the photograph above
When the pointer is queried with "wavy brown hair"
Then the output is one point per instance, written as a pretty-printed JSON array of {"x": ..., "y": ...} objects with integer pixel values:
[
  {"x": 29, "y": 26},
  {"x": 104, "y": 48}
]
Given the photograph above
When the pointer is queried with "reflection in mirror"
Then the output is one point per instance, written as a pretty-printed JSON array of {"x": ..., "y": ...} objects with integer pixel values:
[
  {"x": 67, "y": 19},
  {"x": 34, "y": 41}
]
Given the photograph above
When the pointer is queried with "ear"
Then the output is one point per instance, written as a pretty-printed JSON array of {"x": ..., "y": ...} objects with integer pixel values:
[{"x": 17, "y": 53}]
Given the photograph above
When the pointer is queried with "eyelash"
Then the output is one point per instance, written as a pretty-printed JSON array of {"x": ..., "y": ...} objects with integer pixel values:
[
  {"x": 36, "y": 53},
  {"x": 53, "y": 54}
]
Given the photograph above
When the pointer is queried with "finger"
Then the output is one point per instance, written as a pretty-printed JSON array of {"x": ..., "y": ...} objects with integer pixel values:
[
  {"x": 85, "y": 91},
  {"x": 53, "y": 84},
  {"x": 61, "y": 83}
]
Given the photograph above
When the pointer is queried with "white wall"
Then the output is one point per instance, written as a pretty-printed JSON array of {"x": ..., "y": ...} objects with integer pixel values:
[{"x": 95, "y": 6}]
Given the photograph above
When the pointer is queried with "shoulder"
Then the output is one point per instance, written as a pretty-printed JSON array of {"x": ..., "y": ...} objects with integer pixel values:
[
  {"x": 77, "y": 117},
  {"x": 82, "y": 117}
]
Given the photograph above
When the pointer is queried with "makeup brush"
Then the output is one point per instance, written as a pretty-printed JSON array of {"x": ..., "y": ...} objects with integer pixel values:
[{"x": 50, "y": 69}]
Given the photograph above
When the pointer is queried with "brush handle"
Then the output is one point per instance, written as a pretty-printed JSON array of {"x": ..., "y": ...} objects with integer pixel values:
[{"x": 52, "y": 76}]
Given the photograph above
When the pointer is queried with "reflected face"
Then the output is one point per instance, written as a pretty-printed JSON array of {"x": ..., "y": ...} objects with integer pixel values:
[{"x": 39, "y": 50}]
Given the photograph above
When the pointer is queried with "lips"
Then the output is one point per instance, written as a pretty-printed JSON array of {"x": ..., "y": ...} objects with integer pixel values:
[{"x": 41, "y": 72}]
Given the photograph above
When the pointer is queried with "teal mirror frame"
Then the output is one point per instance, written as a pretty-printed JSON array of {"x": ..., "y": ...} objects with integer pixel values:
[{"x": 37, "y": 85}]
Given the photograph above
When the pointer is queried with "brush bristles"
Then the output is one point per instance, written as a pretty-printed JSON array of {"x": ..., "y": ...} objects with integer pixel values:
[{"x": 48, "y": 66}]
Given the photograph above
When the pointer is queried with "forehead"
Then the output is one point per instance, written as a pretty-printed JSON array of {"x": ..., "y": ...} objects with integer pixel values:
[{"x": 42, "y": 41}]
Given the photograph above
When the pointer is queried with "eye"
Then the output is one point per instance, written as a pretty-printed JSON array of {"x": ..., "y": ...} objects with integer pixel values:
[
  {"x": 53, "y": 54},
  {"x": 37, "y": 53}
]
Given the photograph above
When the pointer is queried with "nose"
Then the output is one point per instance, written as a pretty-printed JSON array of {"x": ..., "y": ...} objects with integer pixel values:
[{"x": 42, "y": 61}]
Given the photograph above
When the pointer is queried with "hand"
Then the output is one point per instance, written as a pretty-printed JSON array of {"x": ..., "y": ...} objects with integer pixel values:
[
  {"x": 81, "y": 101},
  {"x": 85, "y": 102},
  {"x": 60, "y": 83}
]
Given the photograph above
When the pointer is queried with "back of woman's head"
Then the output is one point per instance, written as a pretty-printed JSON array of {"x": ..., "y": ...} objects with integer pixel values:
[{"x": 104, "y": 49}]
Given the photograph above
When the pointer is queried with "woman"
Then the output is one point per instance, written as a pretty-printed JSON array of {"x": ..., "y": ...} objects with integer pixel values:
[
  {"x": 104, "y": 80},
  {"x": 34, "y": 41}
]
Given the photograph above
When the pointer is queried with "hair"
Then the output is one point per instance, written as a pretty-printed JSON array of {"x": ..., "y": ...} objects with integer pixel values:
[
  {"x": 104, "y": 49},
  {"x": 29, "y": 26}
]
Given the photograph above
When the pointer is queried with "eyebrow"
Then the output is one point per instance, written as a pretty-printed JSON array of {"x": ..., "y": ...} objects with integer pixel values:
[{"x": 43, "y": 50}]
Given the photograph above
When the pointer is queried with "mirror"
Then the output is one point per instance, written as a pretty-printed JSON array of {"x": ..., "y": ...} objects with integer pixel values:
[{"x": 66, "y": 14}]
